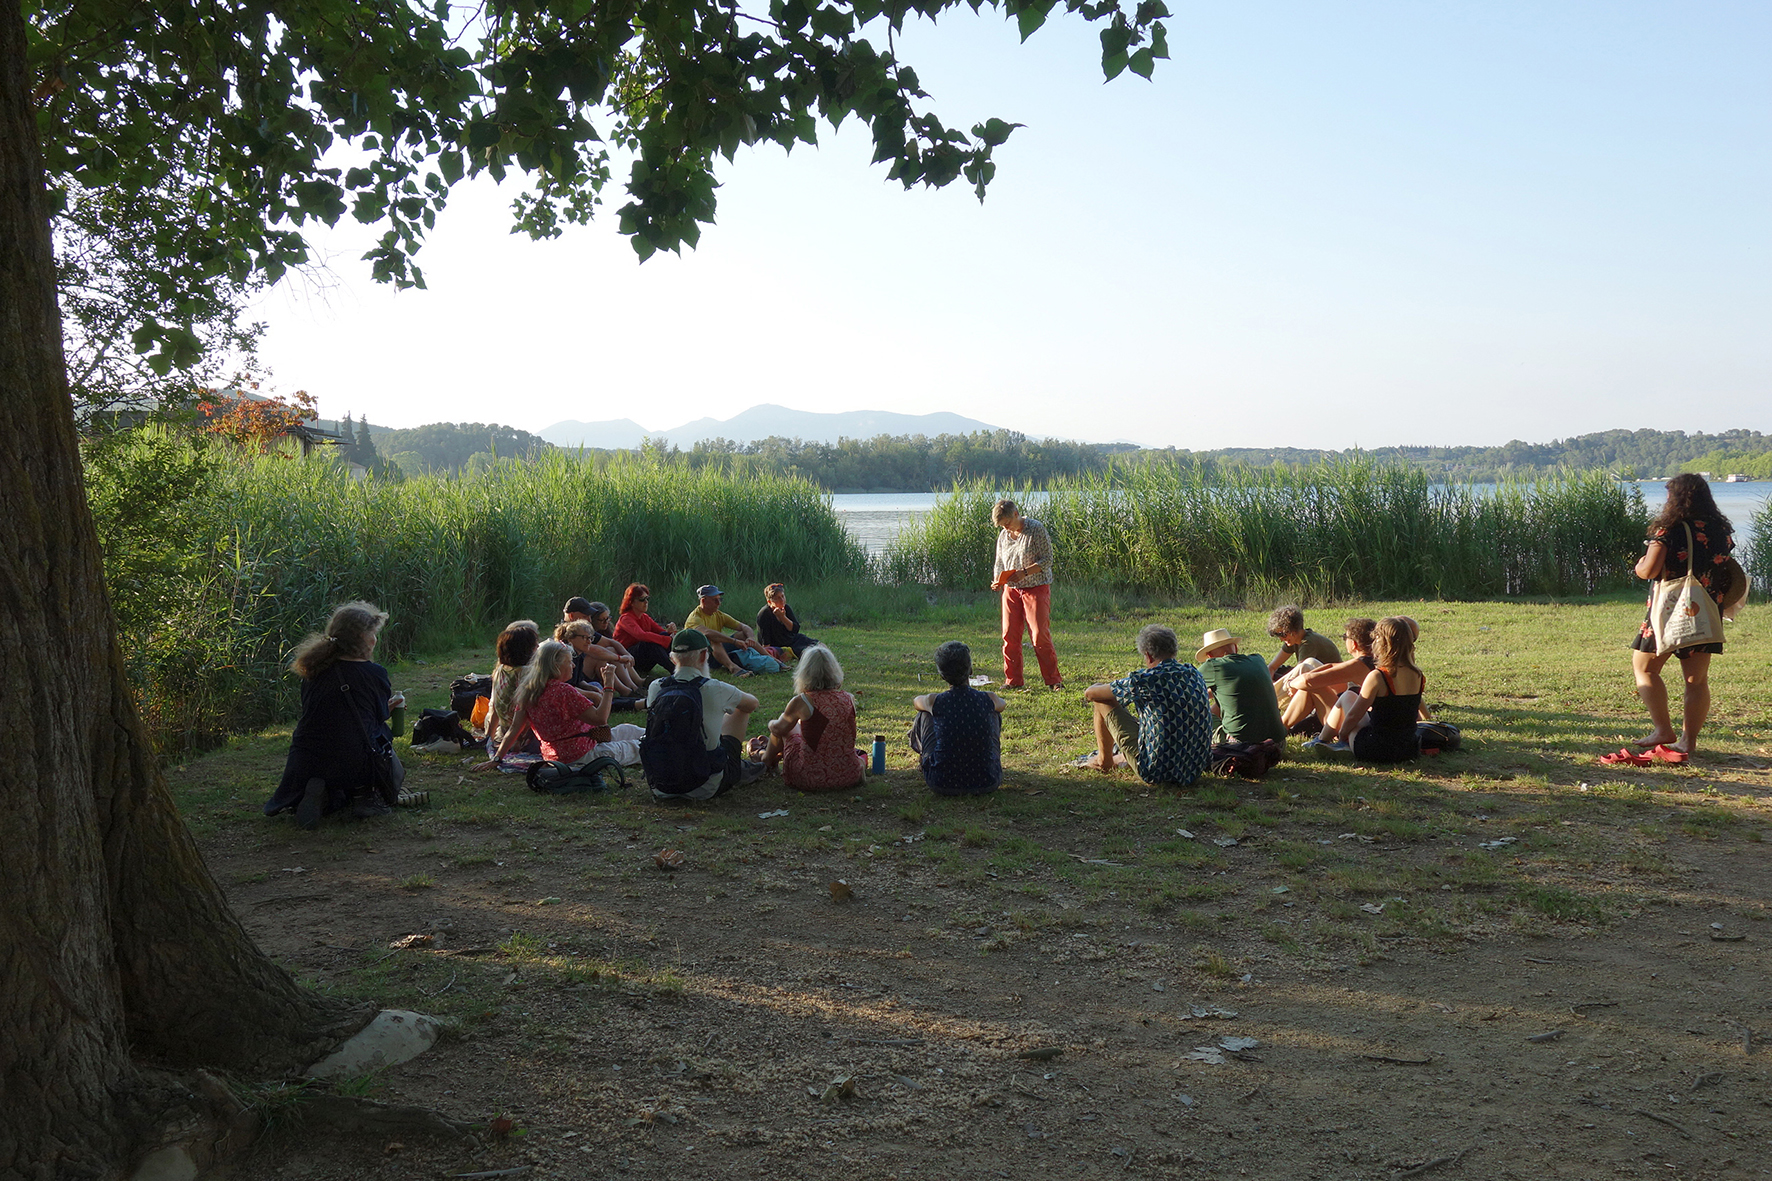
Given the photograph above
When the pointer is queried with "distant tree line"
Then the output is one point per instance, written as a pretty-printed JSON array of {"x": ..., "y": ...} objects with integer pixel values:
[{"x": 924, "y": 463}]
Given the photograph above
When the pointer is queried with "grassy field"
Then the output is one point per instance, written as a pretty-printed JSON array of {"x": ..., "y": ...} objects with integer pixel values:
[{"x": 595, "y": 1000}]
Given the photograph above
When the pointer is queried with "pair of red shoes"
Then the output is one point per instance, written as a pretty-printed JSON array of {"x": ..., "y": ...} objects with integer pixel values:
[{"x": 1655, "y": 754}]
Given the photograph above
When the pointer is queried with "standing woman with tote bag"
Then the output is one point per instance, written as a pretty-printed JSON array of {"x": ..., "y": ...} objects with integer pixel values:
[{"x": 1690, "y": 536}]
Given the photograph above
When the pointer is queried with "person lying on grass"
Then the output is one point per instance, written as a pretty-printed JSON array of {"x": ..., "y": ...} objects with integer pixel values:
[
  {"x": 567, "y": 721},
  {"x": 959, "y": 733},
  {"x": 1170, "y": 738},
  {"x": 813, "y": 741}
]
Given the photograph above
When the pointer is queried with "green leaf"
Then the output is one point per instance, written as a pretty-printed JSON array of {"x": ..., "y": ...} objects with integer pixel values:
[
  {"x": 1140, "y": 63},
  {"x": 1031, "y": 17}
]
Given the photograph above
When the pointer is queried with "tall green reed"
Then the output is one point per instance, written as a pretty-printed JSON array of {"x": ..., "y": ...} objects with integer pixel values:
[
  {"x": 262, "y": 550},
  {"x": 1333, "y": 531}
]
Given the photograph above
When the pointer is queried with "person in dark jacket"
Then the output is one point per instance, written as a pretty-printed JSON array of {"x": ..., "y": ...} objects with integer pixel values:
[
  {"x": 777, "y": 625},
  {"x": 346, "y": 700}
]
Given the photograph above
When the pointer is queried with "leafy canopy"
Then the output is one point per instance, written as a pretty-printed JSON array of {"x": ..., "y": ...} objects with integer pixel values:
[{"x": 264, "y": 115}]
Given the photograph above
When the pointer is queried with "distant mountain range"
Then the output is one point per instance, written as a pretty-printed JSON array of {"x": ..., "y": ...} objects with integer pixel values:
[{"x": 762, "y": 422}]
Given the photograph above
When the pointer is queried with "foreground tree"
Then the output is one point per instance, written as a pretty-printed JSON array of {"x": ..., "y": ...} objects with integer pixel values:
[{"x": 124, "y": 972}]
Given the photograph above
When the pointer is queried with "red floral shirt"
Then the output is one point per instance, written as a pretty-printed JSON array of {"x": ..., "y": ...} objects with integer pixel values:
[{"x": 556, "y": 719}]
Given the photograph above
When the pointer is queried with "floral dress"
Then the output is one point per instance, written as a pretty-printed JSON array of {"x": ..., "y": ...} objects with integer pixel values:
[
  {"x": 1711, "y": 548},
  {"x": 832, "y": 762}
]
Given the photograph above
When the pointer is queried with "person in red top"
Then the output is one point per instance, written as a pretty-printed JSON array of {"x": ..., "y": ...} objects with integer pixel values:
[
  {"x": 647, "y": 642},
  {"x": 565, "y": 719}
]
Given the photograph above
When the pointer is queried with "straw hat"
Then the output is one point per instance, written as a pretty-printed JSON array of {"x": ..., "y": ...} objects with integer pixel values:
[{"x": 1217, "y": 637}]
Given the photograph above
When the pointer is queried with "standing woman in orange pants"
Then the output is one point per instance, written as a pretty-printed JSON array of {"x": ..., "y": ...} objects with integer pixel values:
[{"x": 1023, "y": 572}]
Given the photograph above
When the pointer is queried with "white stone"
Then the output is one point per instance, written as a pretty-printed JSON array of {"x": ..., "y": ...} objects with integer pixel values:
[
  {"x": 395, "y": 1036},
  {"x": 172, "y": 1163}
]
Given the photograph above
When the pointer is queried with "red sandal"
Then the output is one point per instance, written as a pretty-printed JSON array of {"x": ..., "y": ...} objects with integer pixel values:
[
  {"x": 1668, "y": 754},
  {"x": 1624, "y": 757}
]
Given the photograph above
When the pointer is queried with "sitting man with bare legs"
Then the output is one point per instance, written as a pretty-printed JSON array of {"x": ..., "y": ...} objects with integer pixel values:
[{"x": 1169, "y": 740}]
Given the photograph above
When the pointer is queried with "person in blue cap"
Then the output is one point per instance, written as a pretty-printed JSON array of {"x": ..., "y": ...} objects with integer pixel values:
[{"x": 725, "y": 634}]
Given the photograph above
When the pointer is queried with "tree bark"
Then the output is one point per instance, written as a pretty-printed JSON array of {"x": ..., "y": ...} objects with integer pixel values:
[{"x": 116, "y": 946}]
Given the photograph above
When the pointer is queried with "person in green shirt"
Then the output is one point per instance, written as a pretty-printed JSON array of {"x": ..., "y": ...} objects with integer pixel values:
[
  {"x": 1241, "y": 688},
  {"x": 1286, "y": 624}
]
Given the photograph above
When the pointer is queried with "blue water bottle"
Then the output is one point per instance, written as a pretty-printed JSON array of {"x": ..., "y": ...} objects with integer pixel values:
[{"x": 879, "y": 754}]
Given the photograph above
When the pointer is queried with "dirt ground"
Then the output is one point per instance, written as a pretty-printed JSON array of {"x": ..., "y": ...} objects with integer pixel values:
[{"x": 1611, "y": 1049}]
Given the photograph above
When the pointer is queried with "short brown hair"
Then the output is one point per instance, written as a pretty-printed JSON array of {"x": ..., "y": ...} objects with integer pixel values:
[
  {"x": 1359, "y": 631},
  {"x": 1005, "y": 508},
  {"x": 516, "y": 644}
]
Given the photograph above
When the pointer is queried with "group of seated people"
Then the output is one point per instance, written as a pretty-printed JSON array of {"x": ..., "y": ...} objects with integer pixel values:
[
  {"x": 1165, "y": 719},
  {"x": 1368, "y": 704}
]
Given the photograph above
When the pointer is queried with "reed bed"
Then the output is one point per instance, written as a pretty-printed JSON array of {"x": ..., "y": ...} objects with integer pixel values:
[
  {"x": 1335, "y": 531},
  {"x": 262, "y": 550}
]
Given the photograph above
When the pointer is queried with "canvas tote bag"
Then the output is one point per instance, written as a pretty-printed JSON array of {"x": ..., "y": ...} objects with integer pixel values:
[{"x": 1682, "y": 611}]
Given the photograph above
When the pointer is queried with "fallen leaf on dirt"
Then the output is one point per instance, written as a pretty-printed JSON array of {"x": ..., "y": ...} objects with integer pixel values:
[
  {"x": 393, "y": 1146},
  {"x": 1208, "y": 1054},
  {"x": 547, "y": 902},
  {"x": 1224, "y": 842},
  {"x": 840, "y": 1090},
  {"x": 295, "y": 869},
  {"x": 1237, "y": 1045},
  {"x": 1499, "y": 843},
  {"x": 1209, "y": 1011},
  {"x": 767, "y": 815},
  {"x": 1552, "y": 1036},
  {"x": 841, "y": 891},
  {"x": 668, "y": 859},
  {"x": 500, "y": 1127},
  {"x": 1372, "y": 907},
  {"x": 408, "y": 942},
  {"x": 1282, "y": 889},
  {"x": 1182, "y": 832}
]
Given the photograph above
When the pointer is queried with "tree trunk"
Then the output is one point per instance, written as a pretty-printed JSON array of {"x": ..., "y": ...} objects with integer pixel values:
[{"x": 115, "y": 944}]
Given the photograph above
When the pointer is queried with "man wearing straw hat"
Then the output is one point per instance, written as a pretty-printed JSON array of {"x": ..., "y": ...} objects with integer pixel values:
[
  {"x": 1170, "y": 738},
  {"x": 1241, "y": 688}
]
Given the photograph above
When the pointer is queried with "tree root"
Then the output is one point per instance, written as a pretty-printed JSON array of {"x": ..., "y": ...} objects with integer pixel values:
[{"x": 351, "y": 1114}]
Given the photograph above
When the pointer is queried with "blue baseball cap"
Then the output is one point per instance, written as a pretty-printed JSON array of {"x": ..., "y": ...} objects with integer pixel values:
[{"x": 710, "y": 591}]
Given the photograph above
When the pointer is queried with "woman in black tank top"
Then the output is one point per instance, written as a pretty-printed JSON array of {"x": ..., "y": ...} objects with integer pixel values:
[{"x": 1380, "y": 725}]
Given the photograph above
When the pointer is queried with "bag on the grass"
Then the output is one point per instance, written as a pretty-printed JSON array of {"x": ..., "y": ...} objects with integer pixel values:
[
  {"x": 444, "y": 724},
  {"x": 674, "y": 754},
  {"x": 1682, "y": 612},
  {"x": 1251, "y": 760},
  {"x": 463, "y": 691},
  {"x": 752, "y": 660},
  {"x": 1438, "y": 736},
  {"x": 563, "y": 779}
]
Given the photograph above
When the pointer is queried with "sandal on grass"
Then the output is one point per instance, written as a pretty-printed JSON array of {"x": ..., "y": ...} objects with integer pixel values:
[
  {"x": 1627, "y": 757},
  {"x": 1668, "y": 754}
]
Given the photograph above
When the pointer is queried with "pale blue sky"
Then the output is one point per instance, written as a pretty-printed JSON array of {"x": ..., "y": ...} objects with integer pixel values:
[{"x": 1323, "y": 224}]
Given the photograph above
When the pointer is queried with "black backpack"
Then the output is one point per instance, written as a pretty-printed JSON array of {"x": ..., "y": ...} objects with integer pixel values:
[
  {"x": 463, "y": 691},
  {"x": 433, "y": 724},
  {"x": 563, "y": 779},
  {"x": 674, "y": 754}
]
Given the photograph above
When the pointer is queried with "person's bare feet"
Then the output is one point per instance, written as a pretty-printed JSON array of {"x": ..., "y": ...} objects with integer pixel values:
[
  {"x": 1106, "y": 766},
  {"x": 1655, "y": 740}
]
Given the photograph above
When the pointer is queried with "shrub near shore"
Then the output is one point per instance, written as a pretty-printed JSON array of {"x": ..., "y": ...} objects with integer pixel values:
[{"x": 1318, "y": 533}]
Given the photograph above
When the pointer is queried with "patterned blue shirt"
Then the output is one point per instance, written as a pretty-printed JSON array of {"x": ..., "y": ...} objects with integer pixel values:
[
  {"x": 1174, "y": 720},
  {"x": 964, "y": 756}
]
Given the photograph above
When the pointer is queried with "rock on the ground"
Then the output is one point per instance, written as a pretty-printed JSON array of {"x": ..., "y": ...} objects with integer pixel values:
[{"x": 395, "y": 1036}]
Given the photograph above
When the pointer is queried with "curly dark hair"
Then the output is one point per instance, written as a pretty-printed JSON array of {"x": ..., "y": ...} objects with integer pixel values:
[{"x": 1689, "y": 499}]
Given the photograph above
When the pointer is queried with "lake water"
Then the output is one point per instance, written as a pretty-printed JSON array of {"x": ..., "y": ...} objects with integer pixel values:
[{"x": 876, "y": 517}]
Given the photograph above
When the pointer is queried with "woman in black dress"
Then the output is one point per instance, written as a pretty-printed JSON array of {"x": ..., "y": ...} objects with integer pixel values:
[
  {"x": 1689, "y": 507},
  {"x": 345, "y": 703},
  {"x": 1379, "y": 724}
]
